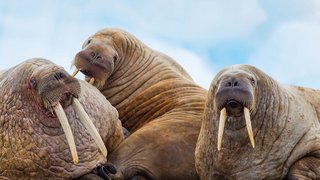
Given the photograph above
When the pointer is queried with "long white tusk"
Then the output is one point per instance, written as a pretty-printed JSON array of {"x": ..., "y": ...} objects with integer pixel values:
[
  {"x": 91, "y": 81},
  {"x": 222, "y": 121},
  {"x": 249, "y": 127},
  {"x": 85, "y": 120},
  {"x": 67, "y": 131},
  {"x": 75, "y": 72}
]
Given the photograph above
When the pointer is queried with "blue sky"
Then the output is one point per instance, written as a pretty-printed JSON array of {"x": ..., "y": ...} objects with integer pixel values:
[{"x": 280, "y": 37}]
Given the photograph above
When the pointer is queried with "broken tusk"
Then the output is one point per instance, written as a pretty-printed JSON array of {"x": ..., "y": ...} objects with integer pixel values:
[
  {"x": 67, "y": 131},
  {"x": 75, "y": 72},
  {"x": 91, "y": 81},
  {"x": 222, "y": 121},
  {"x": 248, "y": 123},
  {"x": 85, "y": 120}
]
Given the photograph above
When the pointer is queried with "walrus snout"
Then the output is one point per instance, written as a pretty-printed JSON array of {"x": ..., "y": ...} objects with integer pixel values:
[
  {"x": 234, "y": 97},
  {"x": 236, "y": 90},
  {"x": 96, "y": 62},
  {"x": 58, "y": 87}
]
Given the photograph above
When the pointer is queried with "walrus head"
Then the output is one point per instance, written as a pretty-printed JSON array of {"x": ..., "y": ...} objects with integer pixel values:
[
  {"x": 234, "y": 99},
  {"x": 97, "y": 58},
  {"x": 55, "y": 90},
  {"x": 37, "y": 99}
]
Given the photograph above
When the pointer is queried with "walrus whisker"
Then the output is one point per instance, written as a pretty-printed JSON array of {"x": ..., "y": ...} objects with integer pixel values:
[
  {"x": 67, "y": 131},
  {"x": 248, "y": 123},
  {"x": 85, "y": 120},
  {"x": 222, "y": 121}
]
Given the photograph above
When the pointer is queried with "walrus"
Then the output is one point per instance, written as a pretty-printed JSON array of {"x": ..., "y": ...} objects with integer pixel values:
[
  {"x": 256, "y": 128},
  {"x": 157, "y": 101},
  {"x": 52, "y": 126}
]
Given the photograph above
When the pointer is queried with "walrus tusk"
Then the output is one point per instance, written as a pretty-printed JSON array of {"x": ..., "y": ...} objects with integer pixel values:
[
  {"x": 222, "y": 121},
  {"x": 75, "y": 72},
  {"x": 91, "y": 81},
  {"x": 249, "y": 127},
  {"x": 67, "y": 131},
  {"x": 85, "y": 120}
]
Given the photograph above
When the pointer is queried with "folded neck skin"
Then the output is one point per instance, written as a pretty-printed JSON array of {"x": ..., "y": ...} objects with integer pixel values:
[{"x": 124, "y": 68}]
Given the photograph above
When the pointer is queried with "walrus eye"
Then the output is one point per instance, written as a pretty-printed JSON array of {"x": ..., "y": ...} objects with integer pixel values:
[
  {"x": 89, "y": 41},
  {"x": 253, "y": 82},
  {"x": 33, "y": 82}
]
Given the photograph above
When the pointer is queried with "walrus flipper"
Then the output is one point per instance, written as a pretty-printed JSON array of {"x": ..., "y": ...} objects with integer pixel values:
[
  {"x": 126, "y": 132},
  {"x": 101, "y": 172},
  {"x": 305, "y": 168}
]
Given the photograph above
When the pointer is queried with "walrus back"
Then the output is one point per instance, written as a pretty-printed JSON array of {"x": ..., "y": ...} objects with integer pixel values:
[{"x": 311, "y": 95}]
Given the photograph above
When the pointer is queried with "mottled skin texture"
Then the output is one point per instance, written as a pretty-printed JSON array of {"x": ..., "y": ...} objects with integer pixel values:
[
  {"x": 157, "y": 102},
  {"x": 32, "y": 143},
  {"x": 285, "y": 126}
]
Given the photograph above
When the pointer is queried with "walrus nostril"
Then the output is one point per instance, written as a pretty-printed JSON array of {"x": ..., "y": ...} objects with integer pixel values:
[
  {"x": 236, "y": 83},
  {"x": 93, "y": 54},
  {"x": 232, "y": 83}
]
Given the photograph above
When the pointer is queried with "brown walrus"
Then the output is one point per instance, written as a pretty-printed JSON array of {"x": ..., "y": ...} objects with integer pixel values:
[
  {"x": 37, "y": 98},
  {"x": 156, "y": 99},
  {"x": 285, "y": 129}
]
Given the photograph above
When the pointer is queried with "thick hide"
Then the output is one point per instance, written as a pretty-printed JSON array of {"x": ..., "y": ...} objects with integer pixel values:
[
  {"x": 36, "y": 98},
  {"x": 284, "y": 141},
  {"x": 157, "y": 102}
]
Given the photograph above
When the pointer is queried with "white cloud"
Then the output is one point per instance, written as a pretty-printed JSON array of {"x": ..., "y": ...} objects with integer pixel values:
[
  {"x": 52, "y": 35},
  {"x": 291, "y": 54},
  {"x": 182, "y": 20},
  {"x": 199, "y": 21},
  {"x": 316, "y": 6}
]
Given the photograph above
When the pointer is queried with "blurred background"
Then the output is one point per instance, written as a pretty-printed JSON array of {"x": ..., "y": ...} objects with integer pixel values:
[{"x": 280, "y": 37}]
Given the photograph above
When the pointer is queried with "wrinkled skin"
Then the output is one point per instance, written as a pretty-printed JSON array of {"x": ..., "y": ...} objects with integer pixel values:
[
  {"x": 157, "y": 102},
  {"x": 32, "y": 142},
  {"x": 285, "y": 126}
]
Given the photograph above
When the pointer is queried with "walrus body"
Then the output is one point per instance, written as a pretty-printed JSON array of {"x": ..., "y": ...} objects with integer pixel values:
[
  {"x": 285, "y": 123},
  {"x": 32, "y": 143},
  {"x": 157, "y": 102}
]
